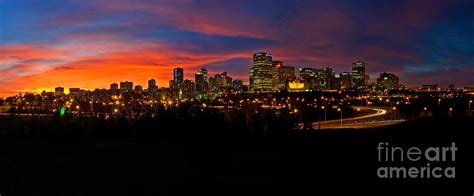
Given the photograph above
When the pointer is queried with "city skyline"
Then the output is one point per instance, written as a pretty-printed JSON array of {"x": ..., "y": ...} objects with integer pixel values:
[
  {"x": 358, "y": 78},
  {"x": 177, "y": 77},
  {"x": 96, "y": 43}
]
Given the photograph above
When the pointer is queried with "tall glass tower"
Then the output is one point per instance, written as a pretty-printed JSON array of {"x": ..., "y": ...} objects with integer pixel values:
[{"x": 261, "y": 73}]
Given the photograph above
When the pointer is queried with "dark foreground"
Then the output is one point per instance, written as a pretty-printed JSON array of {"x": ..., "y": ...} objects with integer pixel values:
[{"x": 343, "y": 162}]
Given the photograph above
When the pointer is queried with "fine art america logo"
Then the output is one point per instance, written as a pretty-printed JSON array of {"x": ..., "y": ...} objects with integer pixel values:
[{"x": 416, "y": 162}]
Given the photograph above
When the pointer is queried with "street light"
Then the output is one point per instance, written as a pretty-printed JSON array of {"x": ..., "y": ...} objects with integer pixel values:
[
  {"x": 395, "y": 110},
  {"x": 324, "y": 108},
  {"x": 339, "y": 110},
  {"x": 470, "y": 101},
  {"x": 296, "y": 114}
]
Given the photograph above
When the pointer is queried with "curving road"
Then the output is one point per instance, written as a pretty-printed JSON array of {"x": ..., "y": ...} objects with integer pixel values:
[{"x": 374, "y": 118}]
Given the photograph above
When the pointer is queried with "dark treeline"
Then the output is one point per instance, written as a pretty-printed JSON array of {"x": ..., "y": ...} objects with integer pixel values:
[{"x": 185, "y": 120}]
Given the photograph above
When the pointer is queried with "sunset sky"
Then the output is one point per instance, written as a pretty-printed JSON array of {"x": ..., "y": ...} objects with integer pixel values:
[{"x": 92, "y": 43}]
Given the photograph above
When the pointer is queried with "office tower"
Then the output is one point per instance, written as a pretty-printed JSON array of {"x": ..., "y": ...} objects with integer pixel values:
[
  {"x": 276, "y": 82},
  {"x": 74, "y": 91},
  {"x": 126, "y": 86},
  {"x": 213, "y": 84},
  {"x": 203, "y": 71},
  {"x": 387, "y": 81},
  {"x": 260, "y": 76},
  {"x": 201, "y": 84},
  {"x": 114, "y": 86},
  {"x": 326, "y": 78},
  {"x": 220, "y": 81},
  {"x": 59, "y": 91},
  {"x": 307, "y": 73},
  {"x": 152, "y": 88},
  {"x": 178, "y": 75},
  {"x": 359, "y": 77},
  {"x": 251, "y": 82},
  {"x": 346, "y": 80},
  {"x": 202, "y": 81},
  {"x": 186, "y": 90},
  {"x": 286, "y": 74}
]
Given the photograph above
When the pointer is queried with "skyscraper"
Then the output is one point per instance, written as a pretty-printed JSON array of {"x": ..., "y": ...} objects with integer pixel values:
[
  {"x": 74, "y": 91},
  {"x": 178, "y": 75},
  {"x": 186, "y": 90},
  {"x": 260, "y": 76},
  {"x": 387, "y": 81},
  {"x": 126, "y": 86},
  {"x": 326, "y": 78},
  {"x": 220, "y": 82},
  {"x": 358, "y": 75},
  {"x": 152, "y": 88},
  {"x": 203, "y": 71},
  {"x": 201, "y": 80},
  {"x": 59, "y": 91},
  {"x": 346, "y": 80},
  {"x": 307, "y": 73},
  {"x": 287, "y": 74},
  {"x": 114, "y": 86},
  {"x": 276, "y": 65}
]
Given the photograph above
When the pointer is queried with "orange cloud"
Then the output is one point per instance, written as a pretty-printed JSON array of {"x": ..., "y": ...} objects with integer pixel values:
[{"x": 93, "y": 64}]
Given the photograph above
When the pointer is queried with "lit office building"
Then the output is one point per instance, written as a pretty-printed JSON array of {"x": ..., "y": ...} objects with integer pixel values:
[
  {"x": 286, "y": 74},
  {"x": 152, "y": 88},
  {"x": 276, "y": 82},
  {"x": 387, "y": 81},
  {"x": 203, "y": 71},
  {"x": 59, "y": 91},
  {"x": 114, "y": 86},
  {"x": 326, "y": 78},
  {"x": 178, "y": 75},
  {"x": 359, "y": 77},
  {"x": 220, "y": 82},
  {"x": 126, "y": 86},
  {"x": 307, "y": 73},
  {"x": 186, "y": 90},
  {"x": 202, "y": 82},
  {"x": 346, "y": 80},
  {"x": 74, "y": 91},
  {"x": 260, "y": 76}
]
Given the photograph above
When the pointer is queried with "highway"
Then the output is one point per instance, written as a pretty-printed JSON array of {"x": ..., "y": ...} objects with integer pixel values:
[{"x": 373, "y": 118}]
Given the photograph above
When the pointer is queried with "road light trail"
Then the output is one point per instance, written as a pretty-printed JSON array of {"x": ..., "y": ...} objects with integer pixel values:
[{"x": 369, "y": 120}]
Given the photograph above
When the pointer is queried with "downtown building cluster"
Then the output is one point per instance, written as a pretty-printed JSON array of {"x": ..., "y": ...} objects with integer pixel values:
[
  {"x": 268, "y": 75},
  {"x": 265, "y": 76}
]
